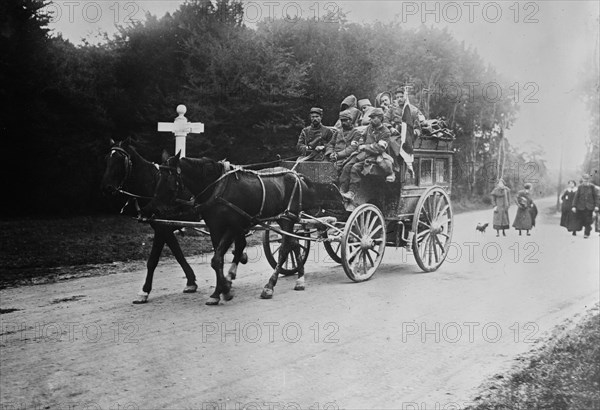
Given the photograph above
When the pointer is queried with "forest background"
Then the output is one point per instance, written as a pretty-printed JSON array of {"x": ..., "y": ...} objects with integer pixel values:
[{"x": 252, "y": 87}]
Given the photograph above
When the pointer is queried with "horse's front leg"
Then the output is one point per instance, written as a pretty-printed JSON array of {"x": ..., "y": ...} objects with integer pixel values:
[
  {"x": 238, "y": 256},
  {"x": 173, "y": 244},
  {"x": 158, "y": 243},
  {"x": 223, "y": 285}
]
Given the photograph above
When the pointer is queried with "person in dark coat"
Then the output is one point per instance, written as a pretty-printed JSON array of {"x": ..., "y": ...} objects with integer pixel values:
[
  {"x": 585, "y": 203},
  {"x": 344, "y": 142},
  {"x": 523, "y": 219},
  {"x": 501, "y": 201},
  {"x": 313, "y": 139},
  {"x": 567, "y": 218}
]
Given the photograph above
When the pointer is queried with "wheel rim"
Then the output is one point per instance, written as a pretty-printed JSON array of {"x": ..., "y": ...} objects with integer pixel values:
[
  {"x": 363, "y": 243},
  {"x": 272, "y": 242},
  {"x": 432, "y": 228}
]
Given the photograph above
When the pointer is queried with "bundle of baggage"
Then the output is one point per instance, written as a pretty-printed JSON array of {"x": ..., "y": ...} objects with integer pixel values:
[{"x": 437, "y": 128}]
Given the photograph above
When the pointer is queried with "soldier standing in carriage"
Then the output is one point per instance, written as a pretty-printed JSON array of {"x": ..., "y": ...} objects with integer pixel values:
[
  {"x": 314, "y": 138},
  {"x": 393, "y": 119},
  {"x": 344, "y": 142},
  {"x": 370, "y": 158}
]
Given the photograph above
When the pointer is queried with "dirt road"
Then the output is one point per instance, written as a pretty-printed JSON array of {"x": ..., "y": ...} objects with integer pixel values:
[{"x": 404, "y": 339}]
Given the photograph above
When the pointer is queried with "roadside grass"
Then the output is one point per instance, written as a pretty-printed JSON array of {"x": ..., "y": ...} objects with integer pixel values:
[
  {"x": 563, "y": 374},
  {"x": 35, "y": 249}
]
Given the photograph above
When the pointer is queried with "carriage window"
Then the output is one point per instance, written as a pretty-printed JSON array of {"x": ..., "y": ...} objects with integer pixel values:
[
  {"x": 441, "y": 175},
  {"x": 426, "y": 175}
]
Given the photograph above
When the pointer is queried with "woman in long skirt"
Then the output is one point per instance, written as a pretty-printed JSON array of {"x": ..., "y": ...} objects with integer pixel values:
[
  {"x": 567, "y": 218},
  {"x": 501, "y": 201},
  {"x": 523, "y": 220}
]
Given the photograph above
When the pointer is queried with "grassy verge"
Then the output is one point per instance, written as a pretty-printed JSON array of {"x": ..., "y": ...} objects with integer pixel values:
[
  {"x": 31, "y": 249},
  {"x": 564, "y": 374}
]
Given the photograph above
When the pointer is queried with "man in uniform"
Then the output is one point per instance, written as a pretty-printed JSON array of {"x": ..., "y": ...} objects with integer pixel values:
[
  {"x": 314, "y": 138},
  {"x": 344, "y": 142},
  {"x": 371, "y": 153},
  {"x": 393, "y": 119}
]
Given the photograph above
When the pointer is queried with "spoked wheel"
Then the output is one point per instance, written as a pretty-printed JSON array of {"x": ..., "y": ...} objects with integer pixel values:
[
  {"x": 432, "y": 229},
  {"x": 363, "y": 242},
  {"x": 334, "y": 250},
  {"x": 272, "y": 242}
]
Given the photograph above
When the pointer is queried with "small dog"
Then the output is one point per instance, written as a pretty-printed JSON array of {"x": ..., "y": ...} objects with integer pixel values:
[{"x": 481, "y": 227}]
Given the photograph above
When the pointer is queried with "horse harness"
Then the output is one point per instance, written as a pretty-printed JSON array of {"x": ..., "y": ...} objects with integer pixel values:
[{"x": 228, "y": 170}]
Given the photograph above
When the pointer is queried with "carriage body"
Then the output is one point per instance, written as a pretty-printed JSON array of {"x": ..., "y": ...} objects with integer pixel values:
[{"x": 413, "y": 212}]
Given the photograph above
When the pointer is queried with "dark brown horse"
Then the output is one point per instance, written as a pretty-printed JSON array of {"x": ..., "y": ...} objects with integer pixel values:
[
  {"x": 129, "y": 174},
  {"x": 233, "y": 203}
]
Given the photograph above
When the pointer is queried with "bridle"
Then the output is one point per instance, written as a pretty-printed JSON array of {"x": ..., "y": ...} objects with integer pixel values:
[{"x": 128, "y": 167}]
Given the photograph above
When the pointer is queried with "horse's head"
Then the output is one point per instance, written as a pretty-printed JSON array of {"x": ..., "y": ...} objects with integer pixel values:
[
  {"x": 118, "y": 167},
  {"x": 168, "y": 189}
]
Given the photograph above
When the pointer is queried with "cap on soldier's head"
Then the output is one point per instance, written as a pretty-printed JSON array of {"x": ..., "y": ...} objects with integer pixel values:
[
  {"x": 399, "y": 90},
  {"x": 376, "y": 112},
  {"x": 364, "y": 103},
  {"x": 585, "y": 177},
  {"x": 527, "y": 185},
  {"x": 316, "y": 110},
  {"x": 345, "y": 115}
]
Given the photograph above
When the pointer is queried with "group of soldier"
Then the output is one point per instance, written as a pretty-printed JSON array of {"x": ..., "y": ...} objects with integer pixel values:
[{"x": 366, "y": 139}]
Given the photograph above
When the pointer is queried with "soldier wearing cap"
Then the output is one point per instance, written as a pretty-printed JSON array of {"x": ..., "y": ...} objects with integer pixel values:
[
  {"x": 345, "y": 141},
  {"x": 371, "y": 157},
  {"x": 314, "y": 138},
  {"x": 393, "y": 118}
]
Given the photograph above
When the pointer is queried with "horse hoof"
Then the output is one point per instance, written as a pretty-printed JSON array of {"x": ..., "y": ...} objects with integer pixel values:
[
  {"x": 190, "y": 289},
  {"x": 299, "y": 287},
  {"x": 228, "y": 296},
  {"x": 142, "y": 298},
  {"x": 244, "y": 258},
  {"x": 266, "y": 293},
  {"x": 212, "y": 302}
]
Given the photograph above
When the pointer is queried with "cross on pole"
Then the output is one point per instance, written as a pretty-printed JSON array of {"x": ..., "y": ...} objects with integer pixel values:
[{"x": 181, "y": 128}]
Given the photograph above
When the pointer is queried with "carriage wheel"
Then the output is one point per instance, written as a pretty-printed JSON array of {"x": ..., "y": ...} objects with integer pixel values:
[
  {"x": 334, "y": 250},
  {"x": 272, "y": 242},
  {"x": 432, "y": 229},
  {"x": 363, "y": 242}
]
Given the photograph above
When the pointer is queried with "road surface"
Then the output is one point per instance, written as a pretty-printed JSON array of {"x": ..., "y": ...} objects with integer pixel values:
[{"x": 404, "y": 339}]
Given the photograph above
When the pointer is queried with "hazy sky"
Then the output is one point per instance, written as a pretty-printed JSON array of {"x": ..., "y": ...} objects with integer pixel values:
[{"x": 541, "y": 46}]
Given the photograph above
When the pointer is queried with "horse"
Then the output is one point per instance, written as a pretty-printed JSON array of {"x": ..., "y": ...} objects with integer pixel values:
[
  {"x": 127, "y": 172},
  {"x": 233, "y": 203}
]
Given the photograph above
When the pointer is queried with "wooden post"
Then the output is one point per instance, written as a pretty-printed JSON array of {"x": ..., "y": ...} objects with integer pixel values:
[{"x": 181, "y": 128}]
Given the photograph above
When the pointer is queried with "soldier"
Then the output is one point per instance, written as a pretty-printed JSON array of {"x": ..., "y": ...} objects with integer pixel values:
[
  {"x": 371, "y": 153},
  {"x": 313, "y": 139},
  {"x": 393, "y": 118},
  {"x": 344, "y": 142}
]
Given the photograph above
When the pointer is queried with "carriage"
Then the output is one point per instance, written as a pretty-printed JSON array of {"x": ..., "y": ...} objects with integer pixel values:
[{"x": 413, "y": 212}]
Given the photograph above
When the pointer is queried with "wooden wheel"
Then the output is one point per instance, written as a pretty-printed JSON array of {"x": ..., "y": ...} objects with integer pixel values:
[
  {"x": 363, "y": 242},
  {"x": 272, "y": 242},
  {"x": 432, "y": 229},
  {"x": 334, "y": 250}
]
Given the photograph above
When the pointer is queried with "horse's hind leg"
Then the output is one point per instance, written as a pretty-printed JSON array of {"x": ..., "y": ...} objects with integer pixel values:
[
  {"x": 173, "y": 244},
  {"x": 238, "y": 256},
  {"x": 267, "y": 292},
  {"x": 158, "y": 243},
  {"x": 223, "y": 285},
  {"x": 295, "y": 247}
]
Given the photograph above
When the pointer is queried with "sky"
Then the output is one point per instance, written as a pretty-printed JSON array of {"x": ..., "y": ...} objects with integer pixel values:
[{"x": 542, "y": 46}]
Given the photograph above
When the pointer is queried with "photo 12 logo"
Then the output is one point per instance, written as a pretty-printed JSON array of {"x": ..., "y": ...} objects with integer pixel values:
[
  {"x": 427, "y": 12},
  {"x": 118, "y": 12}
]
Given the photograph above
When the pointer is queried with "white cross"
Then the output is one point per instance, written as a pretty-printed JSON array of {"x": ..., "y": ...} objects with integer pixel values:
[{"x": 181, "y": 128}]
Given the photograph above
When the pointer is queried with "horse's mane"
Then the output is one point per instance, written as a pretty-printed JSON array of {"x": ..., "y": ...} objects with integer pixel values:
[{"x": 130, "y": 148}]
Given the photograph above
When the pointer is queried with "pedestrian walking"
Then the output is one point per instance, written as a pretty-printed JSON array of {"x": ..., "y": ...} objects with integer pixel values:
[
  {"x": 501, "y": 201},
  {"x": 524, "y": 220},
  {"x": 567, "y": 218},
  {"x": 585, "y": 203}
]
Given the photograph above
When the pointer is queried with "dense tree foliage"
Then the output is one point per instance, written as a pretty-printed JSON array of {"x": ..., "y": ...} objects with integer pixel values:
[{"x": 251, "y": 86}]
